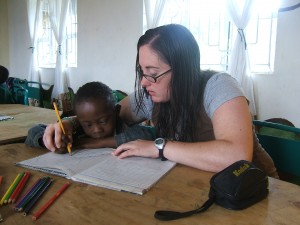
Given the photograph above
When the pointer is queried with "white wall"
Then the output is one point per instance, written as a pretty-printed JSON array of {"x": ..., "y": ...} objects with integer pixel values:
[
  {"x": 278, "y": 94},
  {"x": 4, "y": 57},
  {"x": 108, "y": 31},
  {"x": 19, "y": 39},
  {"x": 107, "y": 34}
]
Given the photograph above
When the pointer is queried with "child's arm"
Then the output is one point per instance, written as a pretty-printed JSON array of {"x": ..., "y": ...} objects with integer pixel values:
[
  {"x": 134, "y": 133},
  {"x": 87, "y": 142},
  {"x": 130, "y": 134},
  {"x": 35, "y": 136}
]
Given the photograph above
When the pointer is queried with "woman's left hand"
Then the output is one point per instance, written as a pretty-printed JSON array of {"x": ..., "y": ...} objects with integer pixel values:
[{"x": 137, "y": 148}]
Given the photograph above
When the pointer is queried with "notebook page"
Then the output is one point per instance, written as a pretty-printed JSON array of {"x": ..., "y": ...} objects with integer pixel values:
[
  {"x": 64, "y": 164},
  {"x": 100, "y": 168},
  {"x": 132, "y": 174}
]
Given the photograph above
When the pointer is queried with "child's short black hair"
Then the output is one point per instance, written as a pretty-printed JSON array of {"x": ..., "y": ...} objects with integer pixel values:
[{"x": 95, "y": 91}]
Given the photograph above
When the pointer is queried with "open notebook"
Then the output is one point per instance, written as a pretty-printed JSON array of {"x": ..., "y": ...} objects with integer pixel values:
[
  {"x": 4, "y": 117},
  {"x": 100, "y": 168}
]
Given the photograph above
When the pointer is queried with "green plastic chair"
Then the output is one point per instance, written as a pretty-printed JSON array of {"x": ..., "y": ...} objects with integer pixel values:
[
  {"x": 118, "y": 95},
  {"x": 31, "y": 92},
  {"x": 38, "y": 95},
  {"x": 26, "y": 92},
  {"x": 6, "y": 96},
  {"x": 20, "y": 94},
  {"x": 283, "y": 145},
  {"x": 35, "y": 96}
]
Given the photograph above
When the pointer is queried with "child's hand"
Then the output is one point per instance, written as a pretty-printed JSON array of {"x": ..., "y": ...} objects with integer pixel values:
[
  {"x": 61, "y": 151},
  {"x": 53, "y": 137}
]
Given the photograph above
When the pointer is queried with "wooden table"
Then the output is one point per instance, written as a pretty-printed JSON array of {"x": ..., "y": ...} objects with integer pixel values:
[
  {"x": 181, "y": 189},
  {"x": 25, "y": 117}
]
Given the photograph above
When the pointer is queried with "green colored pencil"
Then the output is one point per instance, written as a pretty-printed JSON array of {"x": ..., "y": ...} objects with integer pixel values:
[{"x": 9, "y": 190}]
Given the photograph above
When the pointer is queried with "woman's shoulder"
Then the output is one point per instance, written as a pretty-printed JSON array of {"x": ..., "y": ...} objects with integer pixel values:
[
  {"x": 223, "y": 81},
  {"x": 220, "y": 88},
  {"x": 220, "y": 77}
]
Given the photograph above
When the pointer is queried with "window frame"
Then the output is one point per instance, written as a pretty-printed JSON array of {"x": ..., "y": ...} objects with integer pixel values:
[
  {"x": 220, "y": 53},
  {"x": 47, "y": 47}
]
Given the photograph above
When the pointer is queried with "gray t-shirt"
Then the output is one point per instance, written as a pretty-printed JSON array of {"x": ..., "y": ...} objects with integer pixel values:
[{"x": 219, "y": 89}]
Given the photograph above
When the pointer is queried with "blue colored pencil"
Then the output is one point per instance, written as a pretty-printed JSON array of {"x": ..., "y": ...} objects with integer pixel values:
[
  {"x": 20, "y": 202},
  {"x": 29, "y": 206},
  {"x": 34, "y": 192}
]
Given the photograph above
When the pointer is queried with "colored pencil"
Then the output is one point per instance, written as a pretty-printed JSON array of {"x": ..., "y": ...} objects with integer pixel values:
[
  {"x": 29, "y": 206},
  {"x": 20, "y": 202},
  {"x": 51, "y": 200},
  {"x": 18, "y": 181},
  {"x": 13, "y": 187},
  {"x": 33, "y": 193},
  {"x": 1, "y": 178},
  {"x": 61, "y": 126},
  {"x": 8, "y": 192},
  {"x": 19, "y": 188}
]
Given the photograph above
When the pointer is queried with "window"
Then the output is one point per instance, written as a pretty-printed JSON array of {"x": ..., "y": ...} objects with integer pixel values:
[
  {"x": 47, "y": 47},
  {"x": 215, "y": 33}
]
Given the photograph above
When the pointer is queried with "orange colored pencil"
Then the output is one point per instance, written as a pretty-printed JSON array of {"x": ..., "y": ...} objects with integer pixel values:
[
  {"x": 51, "y": 200},
  {"x": 19, "y": 188},
  {"x": 61, "y": 126}
]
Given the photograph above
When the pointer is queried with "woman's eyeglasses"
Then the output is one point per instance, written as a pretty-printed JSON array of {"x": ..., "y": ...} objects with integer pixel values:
[{"x": 150, "y": 78}]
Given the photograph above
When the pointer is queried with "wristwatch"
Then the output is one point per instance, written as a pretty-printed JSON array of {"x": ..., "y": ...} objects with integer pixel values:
[{"x": 160, "y": 144}]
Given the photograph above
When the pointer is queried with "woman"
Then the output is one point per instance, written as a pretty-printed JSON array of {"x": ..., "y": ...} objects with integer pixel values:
[{"x": 201, "y": 117}]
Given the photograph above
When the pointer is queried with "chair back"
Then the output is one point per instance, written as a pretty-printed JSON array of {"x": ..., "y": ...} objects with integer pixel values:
[
  {"x": 284, "y": 149},
  {"x": 29, "y": 92}
]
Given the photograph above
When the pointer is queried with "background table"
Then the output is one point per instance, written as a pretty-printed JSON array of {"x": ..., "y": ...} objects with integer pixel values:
[
  {"x": 182, "y": 189},
  {"x": 25, "y": 117}
]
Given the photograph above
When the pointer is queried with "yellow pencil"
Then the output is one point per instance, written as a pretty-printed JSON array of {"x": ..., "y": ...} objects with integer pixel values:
[
  {"x": 9, "y": 190},
  {"x": 61, "y": 126}
]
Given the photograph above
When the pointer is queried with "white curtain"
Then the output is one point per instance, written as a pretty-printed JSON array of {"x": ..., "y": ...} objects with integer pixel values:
[
  {"x": 153, "y": 15},
  {"x": 58, "y": 14},
  {"x": 239, "y": 61},
  {"x": 33, "y": 11}
]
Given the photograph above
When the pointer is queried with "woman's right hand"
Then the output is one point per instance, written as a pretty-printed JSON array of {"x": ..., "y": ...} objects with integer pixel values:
[{"x": 54, "y": 139}]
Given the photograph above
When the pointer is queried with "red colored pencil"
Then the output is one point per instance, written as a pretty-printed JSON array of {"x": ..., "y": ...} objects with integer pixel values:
[
  {"x": 20, "y": 187},
  {"x": 51, "y": 200}
]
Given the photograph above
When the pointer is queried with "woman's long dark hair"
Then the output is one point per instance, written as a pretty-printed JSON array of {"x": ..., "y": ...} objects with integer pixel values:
[{"x": 177, "y": 119}]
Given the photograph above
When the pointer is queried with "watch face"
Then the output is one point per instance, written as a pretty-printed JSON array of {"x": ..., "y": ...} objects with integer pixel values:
[{"x": 159, "y": 141}]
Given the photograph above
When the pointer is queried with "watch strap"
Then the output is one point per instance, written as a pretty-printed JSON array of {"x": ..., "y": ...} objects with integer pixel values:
[{"x": 161, "y": 152}]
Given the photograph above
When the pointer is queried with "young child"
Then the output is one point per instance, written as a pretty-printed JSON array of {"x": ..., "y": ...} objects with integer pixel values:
[{"x": 99, "y": 125}]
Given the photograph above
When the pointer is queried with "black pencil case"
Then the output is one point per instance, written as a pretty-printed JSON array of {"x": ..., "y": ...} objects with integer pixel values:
[{"x": 236, "y": 187}]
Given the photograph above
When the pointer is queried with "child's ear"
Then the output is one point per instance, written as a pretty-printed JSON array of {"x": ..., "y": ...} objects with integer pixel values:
[{"x": 117, "y": 109}]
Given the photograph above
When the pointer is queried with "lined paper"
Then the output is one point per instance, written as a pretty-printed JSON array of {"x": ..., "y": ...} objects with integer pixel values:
[{"x": 99, "y": 167}]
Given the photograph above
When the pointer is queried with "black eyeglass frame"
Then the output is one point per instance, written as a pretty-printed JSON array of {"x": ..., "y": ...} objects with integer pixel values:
[{"x": 150, "y": 78}]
